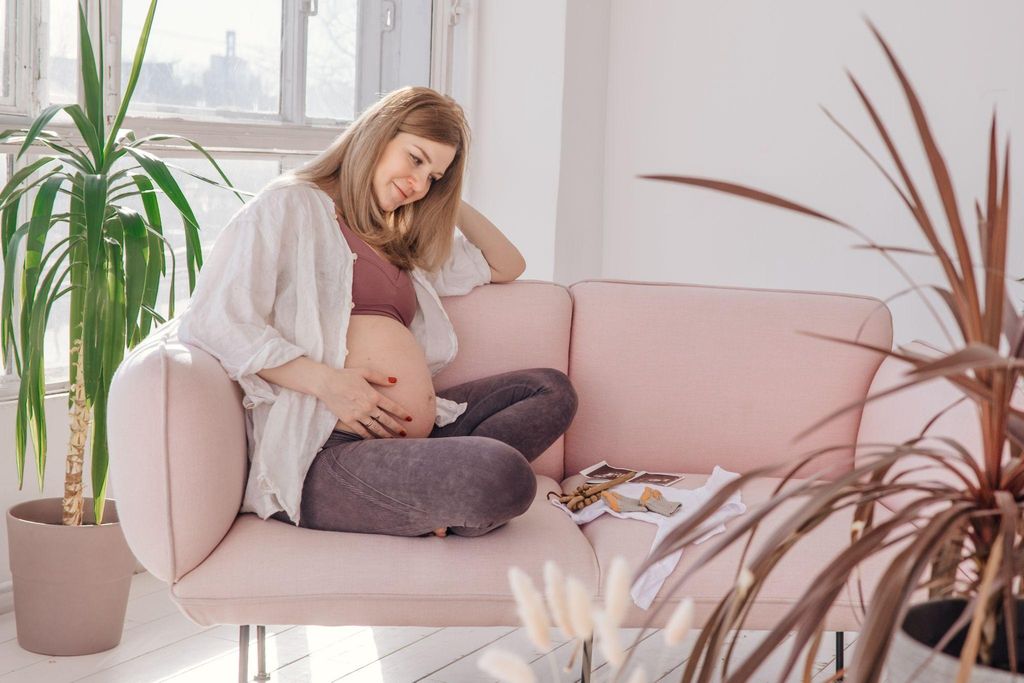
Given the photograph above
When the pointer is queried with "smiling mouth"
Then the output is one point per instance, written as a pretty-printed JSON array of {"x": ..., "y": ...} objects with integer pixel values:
[{"x": 404, "y": 195}]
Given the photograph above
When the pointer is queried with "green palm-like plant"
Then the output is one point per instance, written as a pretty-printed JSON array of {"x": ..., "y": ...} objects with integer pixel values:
[{"x": 112, "y": 261}]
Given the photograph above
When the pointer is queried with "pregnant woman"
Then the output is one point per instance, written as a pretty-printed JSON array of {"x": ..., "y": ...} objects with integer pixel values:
[{"x": 321, "y": 298}]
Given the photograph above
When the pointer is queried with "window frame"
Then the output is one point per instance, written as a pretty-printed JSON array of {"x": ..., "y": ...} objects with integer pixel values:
[{"x": 289, "y": 137}]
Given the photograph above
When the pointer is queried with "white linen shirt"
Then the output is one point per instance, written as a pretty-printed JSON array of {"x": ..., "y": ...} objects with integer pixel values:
[{"x": 278, "y": 285}]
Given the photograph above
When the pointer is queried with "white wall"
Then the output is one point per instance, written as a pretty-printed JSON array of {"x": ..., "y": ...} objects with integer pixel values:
[
  {"x": 579, "y": 238},
  {"x": 517, "y": 122},
  {"x": 731, "y": 90},
  {"x": 538, "y": 108}
]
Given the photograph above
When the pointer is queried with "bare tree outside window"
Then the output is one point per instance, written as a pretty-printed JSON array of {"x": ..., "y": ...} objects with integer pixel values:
[
  {"x": 62, "y": 69},
  {"x": 331, "y": 61}
]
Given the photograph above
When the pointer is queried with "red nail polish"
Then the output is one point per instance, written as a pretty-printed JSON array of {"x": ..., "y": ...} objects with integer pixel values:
[
  {"x": 408, "y": 419},
  {"x": 392, "y": 379},
  {"x": 402, "y": 432}
]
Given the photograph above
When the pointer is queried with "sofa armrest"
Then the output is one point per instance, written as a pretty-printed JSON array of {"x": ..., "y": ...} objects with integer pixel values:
[
  {"x": 178, "y": 458},
  {"x": 902, "y": 415}
]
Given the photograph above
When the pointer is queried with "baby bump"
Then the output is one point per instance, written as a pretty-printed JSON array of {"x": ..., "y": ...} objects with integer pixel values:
[{"x": 387, "y": 346}]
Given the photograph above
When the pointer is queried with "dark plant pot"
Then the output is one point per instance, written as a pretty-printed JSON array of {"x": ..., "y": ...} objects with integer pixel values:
[
  {"x": 922, "y": 629},
  {"x": 71, "y": 583}
]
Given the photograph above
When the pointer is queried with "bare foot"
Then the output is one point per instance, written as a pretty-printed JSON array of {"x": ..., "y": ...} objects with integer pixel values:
[{"x": 442, "y": 532}]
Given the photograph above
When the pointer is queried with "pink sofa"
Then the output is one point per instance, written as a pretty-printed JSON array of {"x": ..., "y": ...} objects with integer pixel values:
[{"x": 670, "y": 377}]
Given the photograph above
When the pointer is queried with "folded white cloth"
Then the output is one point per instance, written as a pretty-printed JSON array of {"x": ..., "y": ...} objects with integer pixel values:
[{"x": 647, "y": 586}]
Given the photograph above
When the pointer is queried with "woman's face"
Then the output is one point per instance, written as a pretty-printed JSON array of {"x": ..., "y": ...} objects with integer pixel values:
[{"x": 409, "y": 166}]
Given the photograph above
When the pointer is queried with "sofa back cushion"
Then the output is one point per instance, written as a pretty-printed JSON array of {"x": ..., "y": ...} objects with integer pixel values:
[
  {"x": 681, "y": 378},
  {"x": 511, "y": 326}
]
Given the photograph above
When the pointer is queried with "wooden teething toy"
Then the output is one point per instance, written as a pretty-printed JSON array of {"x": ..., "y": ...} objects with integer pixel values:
[{"x": 585, "y": 495}]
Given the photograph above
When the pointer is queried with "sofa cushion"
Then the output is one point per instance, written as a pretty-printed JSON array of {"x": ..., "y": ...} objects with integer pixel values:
[
  {"x": 684, "y": 377},
  {"x": 269, "y": 572},
  {"x": 632, "y": 538},
  {"x": 511, "y": 326}
]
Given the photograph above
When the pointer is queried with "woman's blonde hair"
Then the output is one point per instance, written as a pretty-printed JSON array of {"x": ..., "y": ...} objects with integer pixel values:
[{"x": 345, "y": 172}]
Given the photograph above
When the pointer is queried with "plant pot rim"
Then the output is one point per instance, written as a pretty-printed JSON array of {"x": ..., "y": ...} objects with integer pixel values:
[
  {"x": 912, "y": 642},
  {"x": 16, "y": 513}
]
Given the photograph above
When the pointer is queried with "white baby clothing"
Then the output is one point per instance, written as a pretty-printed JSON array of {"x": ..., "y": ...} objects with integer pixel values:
[{"x": 647, "y": 585}]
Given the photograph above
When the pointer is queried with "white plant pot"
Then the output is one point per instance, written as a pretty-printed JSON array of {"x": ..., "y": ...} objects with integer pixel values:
[{"x": 922, "y": 629}]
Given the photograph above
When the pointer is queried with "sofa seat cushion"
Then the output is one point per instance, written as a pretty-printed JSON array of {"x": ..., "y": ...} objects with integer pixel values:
[
  {"x": 270, "y": 572},
  {"x": 632, "y": 538}
]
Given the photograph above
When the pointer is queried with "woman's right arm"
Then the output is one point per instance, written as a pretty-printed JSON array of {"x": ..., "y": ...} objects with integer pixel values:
[{"x": 301, "y": 374}]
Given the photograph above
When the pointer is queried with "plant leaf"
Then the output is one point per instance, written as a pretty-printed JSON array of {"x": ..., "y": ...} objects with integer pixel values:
[
  {"x": 37, "y": 126},
  {"x": 945, "y": 186},
  {"x": 91, "y": 76},
  {"x": 136, "y": 257},
  {"x": 95, "y": 206},
  {"x": 155, "y": 264},
  {"x": 158, "y": 171},
  {"x": 133, "y": 77},
  {"x": 199, "y": 148}
]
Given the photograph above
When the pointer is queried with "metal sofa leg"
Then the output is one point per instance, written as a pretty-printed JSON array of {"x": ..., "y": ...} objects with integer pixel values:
[
  {"x": 588, "y": 648},
  {"x": 839, "y": 652},
  {"x": 243, "y": 654},
  {"x": 261, "y": 653}
]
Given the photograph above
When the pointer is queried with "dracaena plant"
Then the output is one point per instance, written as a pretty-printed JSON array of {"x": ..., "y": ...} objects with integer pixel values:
[
  {"x": 111, "y": 263},
  {"x": 969, "y": 526}
]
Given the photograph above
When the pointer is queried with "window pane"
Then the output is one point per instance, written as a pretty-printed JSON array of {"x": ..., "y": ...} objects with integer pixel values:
[
  {"x": 6, "y": 45},
  {"x": 206, "y": 58},
  {"x": 331, "y": 61},
  {"x": 212, "y": 206},
  {"x": 62, "y": 72}
]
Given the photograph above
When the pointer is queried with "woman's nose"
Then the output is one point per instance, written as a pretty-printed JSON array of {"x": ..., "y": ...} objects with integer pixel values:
[{"x": 421, "y": 181}]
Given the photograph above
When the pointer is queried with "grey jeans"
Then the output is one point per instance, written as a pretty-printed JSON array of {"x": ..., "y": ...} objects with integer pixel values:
[{"x": 470, "y": 476}]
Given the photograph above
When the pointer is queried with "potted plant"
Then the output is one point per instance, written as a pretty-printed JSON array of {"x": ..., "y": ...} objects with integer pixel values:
[
  {"x": 70, "y": 563},
  {"x": 969, "y": 525}
]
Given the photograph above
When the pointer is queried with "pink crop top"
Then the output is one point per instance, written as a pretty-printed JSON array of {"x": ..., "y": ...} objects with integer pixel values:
[{"x": 379, "y": 287}]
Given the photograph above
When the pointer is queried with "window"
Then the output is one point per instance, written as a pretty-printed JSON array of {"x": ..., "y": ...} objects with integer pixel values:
[
  {"x": 6, "y": 34},
  {"x": 262, "y": 84}
]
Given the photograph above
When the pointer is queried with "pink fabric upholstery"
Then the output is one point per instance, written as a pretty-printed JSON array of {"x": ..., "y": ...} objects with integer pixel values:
[
  {"x": 670, "y": 377},
  {"x": 177, "y": 448},
  {"x": 268, "y": 572},
  {"x": 683, "y": 378},
  {"x": 511, "y": 326},
  {"x": 903, "y": 415}
]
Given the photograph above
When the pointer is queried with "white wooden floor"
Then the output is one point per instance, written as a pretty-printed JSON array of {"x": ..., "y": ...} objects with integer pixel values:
[{"x": 160, "y": 644}]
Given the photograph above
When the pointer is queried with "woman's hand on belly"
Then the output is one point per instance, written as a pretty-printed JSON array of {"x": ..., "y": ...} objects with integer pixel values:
[
  {"x": 384, "y": 344},
  {"x": 360, "y": 408}
]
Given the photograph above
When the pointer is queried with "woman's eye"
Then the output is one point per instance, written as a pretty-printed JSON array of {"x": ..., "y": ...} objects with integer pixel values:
[{"x": 416, "y": 159}]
